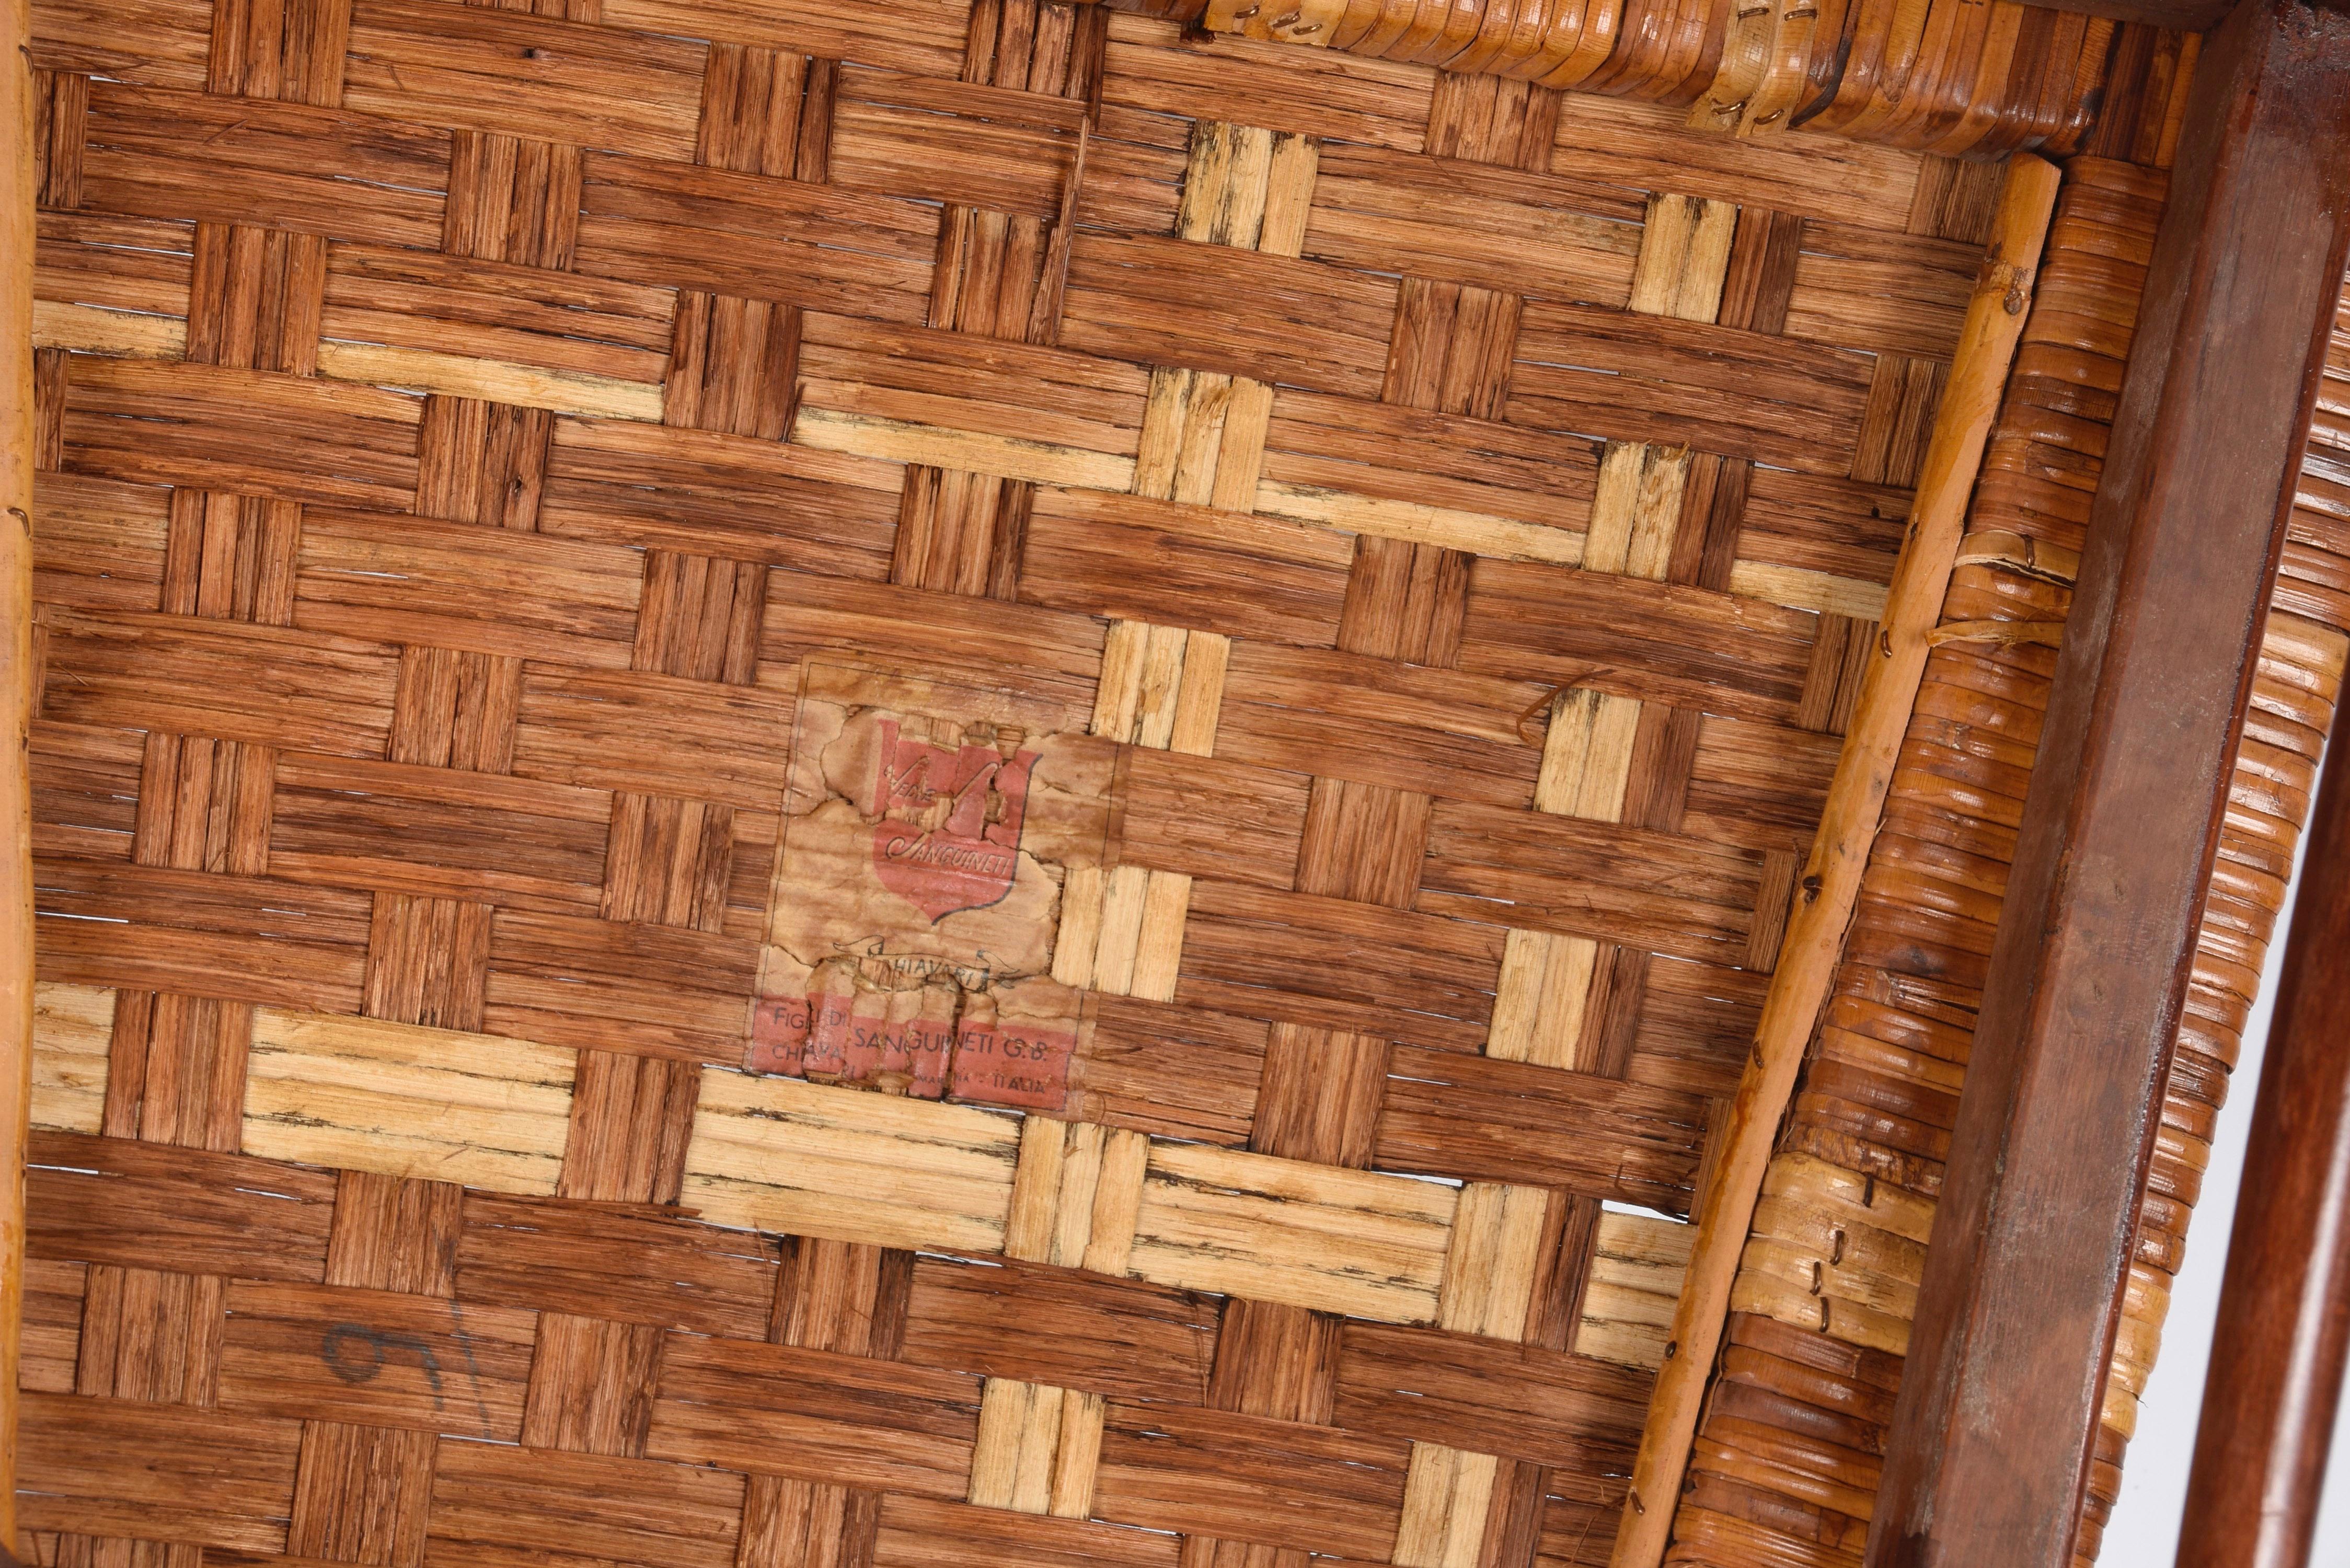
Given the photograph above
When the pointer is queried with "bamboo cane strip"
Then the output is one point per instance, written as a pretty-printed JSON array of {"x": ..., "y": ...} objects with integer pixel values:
[
  {"x": 403, "y": 1100},
  {"x": 457, "y": 375},
  {"x": 1831, "y": 882},
  {"x": 72, "y": 1026},
  {"x": 1785, "y": 72},
  {"x": 1037, "y": 1449},
  {"x": 1490, "y": 1267},
  {"x": 1538, "y": 1005},
  {"x": 1200, "y": 699},
  {"x": 16, "y": 715},
  {"x": 1447, "y": 1493},
  {"x": 93, "y": 329},
  {"x": 1639, "y": 1265}
]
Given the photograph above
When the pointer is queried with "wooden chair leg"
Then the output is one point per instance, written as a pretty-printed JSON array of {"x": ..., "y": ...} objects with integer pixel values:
[{"x": 2284, "y": 1312}]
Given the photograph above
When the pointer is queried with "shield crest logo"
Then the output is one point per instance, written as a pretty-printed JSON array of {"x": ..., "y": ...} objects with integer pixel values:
[{"x": 946, "y": 833}]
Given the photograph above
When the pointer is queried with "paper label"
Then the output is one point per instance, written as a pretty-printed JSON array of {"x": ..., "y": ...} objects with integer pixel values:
[{"x": 927, "y": 835}]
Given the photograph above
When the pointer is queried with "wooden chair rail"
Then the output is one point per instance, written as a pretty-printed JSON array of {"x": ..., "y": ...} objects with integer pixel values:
[{"x": 1998, "y": 1413}]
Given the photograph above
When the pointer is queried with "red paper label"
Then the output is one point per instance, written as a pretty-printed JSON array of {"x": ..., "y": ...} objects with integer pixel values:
[
  {"x": 928, "y": 833},
  {"x": 1010, "y": 1064},
  {"x": 995, "y": 1064},
  {"x": 779, "y": 1032},
  {"x": 860, "y": 1048},
  {"x": 949, "y": 837}
]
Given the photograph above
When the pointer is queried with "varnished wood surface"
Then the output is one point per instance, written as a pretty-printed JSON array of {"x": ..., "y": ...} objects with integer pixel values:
[{"x": 1992, "y": 1435}]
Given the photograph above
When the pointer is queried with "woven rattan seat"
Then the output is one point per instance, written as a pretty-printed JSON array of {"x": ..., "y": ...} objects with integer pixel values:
[{"x": 933, "y": 784}]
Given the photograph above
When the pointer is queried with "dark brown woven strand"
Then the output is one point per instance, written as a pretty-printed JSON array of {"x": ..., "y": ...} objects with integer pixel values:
[{"x": 1787, "y": 1457}]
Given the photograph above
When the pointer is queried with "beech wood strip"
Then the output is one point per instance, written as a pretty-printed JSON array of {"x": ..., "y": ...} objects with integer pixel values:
[
  {"x": 1072, "y": 1328},
  {"x": 910, "y": 135},
  {"x": 1252, "y": 1479},
  {"x": 530, "y": 76},
  {"x": 1552, "y": 1407},
  {"x": 493, "y": 310},
  {"x": 1848, "y": 827},
  {"x": 170, "y": 154},
  {"x": 384, "y": 1359},
  {"x": 721, "y": 495},
  {"x": 1452, "y": 1114},
  {"x": 633, "y": 1266},
  {"x": 1291, "y": 956},
  {"x": 924, "y": 1532},
  {"x": 145, "y": 1205},
  {"x": 493, "y": 1502},
  {"x": 253, "y": 432},
  {"x": 656, "y": 222},
  {"x": 77, "y": 248},
  {"x": 897, "y": 34},
  {"x": 852, "y": 1420},
  {"x": 196, "y": 1474},
  {"x": 202, "y": 934},
  {"x": 1151, "y": 67},
  {"x": 260, "y": 685}
]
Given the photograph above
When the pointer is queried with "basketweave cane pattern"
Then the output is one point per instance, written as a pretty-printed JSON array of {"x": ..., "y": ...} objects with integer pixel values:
[
  {"x": 1786, "y": 1462},
  {"x": 512, "y": 483}
]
